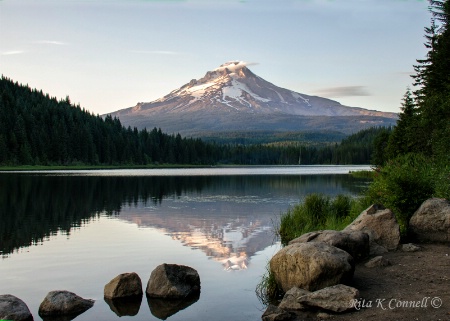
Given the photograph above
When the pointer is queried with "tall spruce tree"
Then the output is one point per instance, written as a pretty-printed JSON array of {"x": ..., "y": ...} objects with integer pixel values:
[{"x": 405, "y": 136}]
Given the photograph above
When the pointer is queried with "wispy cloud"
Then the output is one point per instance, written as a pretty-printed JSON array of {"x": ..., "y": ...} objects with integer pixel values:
[
  {"x": 157, "y": 52},
  {"x": 51, "y": 42},
  {"x": 12, "y": 52},
  {"x": 344, "y": 91}
]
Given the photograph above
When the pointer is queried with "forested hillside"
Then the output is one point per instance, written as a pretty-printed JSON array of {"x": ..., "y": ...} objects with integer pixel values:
[{"x": 36, "y": 129}]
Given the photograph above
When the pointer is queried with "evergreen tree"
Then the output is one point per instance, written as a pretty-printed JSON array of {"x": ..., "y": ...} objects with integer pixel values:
[
  {"x": 433, "y": 78},
  {"x": 405, "y": 137}
]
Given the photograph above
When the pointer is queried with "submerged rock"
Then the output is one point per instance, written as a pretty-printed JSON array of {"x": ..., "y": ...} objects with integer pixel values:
[
  {"x": 13, "y": 308},
  {"x": 172, "y": 281},
  {"x": 58, "y": 303},
  {"x": 311, "y": 266}
]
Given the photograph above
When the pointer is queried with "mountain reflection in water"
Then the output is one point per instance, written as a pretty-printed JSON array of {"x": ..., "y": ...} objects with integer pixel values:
[
  {"x": 227, "y": 230},
  {"x": 229, "y": 218}
]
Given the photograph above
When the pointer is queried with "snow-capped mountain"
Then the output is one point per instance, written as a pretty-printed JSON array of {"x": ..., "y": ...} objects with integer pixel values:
[{"x": 232, "y": 98}]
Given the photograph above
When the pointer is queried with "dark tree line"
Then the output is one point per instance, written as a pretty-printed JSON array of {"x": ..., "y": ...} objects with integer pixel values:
[
  {"x": 36, "y": 129},
  {"x": 358, "y": 148}
]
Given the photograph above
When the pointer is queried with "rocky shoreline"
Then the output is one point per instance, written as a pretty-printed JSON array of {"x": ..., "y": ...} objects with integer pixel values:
[{"x": 319, "y": 272}]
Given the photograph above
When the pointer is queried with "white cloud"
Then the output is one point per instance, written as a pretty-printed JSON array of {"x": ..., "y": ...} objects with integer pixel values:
[{"x": 12, "y": 52}]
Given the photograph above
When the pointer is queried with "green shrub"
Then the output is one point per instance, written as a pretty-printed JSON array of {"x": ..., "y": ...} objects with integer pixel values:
[{"x": 402, "y": 185}]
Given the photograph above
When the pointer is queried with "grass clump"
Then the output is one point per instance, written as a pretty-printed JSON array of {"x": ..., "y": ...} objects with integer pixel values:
[
  {"x": 267, "y": 289},
  {"x": 319, "y": 212}
]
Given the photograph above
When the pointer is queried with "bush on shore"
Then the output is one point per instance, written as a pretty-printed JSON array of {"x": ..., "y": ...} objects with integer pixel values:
[
  {"x": 319, "y": 212},
  {"x": 405, "y": 182}
]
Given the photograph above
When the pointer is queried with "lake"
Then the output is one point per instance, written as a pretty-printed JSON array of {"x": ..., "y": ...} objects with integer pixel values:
[{"x": 76, "y": 230}]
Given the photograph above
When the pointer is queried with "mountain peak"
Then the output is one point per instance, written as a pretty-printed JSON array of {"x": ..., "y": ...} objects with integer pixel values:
[{"x": 232, "y": 97}]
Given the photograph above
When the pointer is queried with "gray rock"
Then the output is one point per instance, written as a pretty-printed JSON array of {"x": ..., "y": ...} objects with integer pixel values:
[
  {"x": 410, "y": 247},
  {"x": 123, "y": 285},
  {"x": 290, "y": 299},
  {"x": 356, "y": 243},
  {"x": 64, "y": 303},
  {"x": 336, "y": 298},
  {"x": 381, "y": 226},
  {"x": 377, "y": 261},
  {"x": 323, "y": 316},
  {"x": 431, "y": 222},
  {"x": 13, "y": 308},
  {"x": 172, "y": 281},
  {"x": 311, "y": 266},
  {"x": 274, "y": 313},
  {"x": 376, "y": 249}
]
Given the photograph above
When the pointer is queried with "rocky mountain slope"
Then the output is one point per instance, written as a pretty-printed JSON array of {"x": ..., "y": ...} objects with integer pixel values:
[{"x": 232, "y": 98}]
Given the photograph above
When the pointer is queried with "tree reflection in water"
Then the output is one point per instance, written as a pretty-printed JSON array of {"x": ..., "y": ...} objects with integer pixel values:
[{"x": 35, "y": 206}]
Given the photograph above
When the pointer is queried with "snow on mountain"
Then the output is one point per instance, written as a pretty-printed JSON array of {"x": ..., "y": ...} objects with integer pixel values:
[{"x": 232, "y": 94}]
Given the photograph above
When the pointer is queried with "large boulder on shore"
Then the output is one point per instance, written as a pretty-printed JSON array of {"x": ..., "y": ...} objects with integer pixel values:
[
  {"x": 13, "y": 308},
  {"x": 124, "y": 285},
  {"x": 356, "y": 243},
  {"x": 58, "y": 303},
  {"x": 172, "y": 281},
  {"x": 311, "y": 266},
  {"x": 381, "y": 226},
  {"x": 431, "y": 222}
]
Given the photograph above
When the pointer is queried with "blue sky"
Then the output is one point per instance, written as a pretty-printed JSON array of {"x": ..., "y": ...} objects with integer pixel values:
[{"x": 110, "y": 54}]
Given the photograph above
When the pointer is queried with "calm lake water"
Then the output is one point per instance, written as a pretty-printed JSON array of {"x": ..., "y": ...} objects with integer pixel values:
[{"x": 76, "y": 230}]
